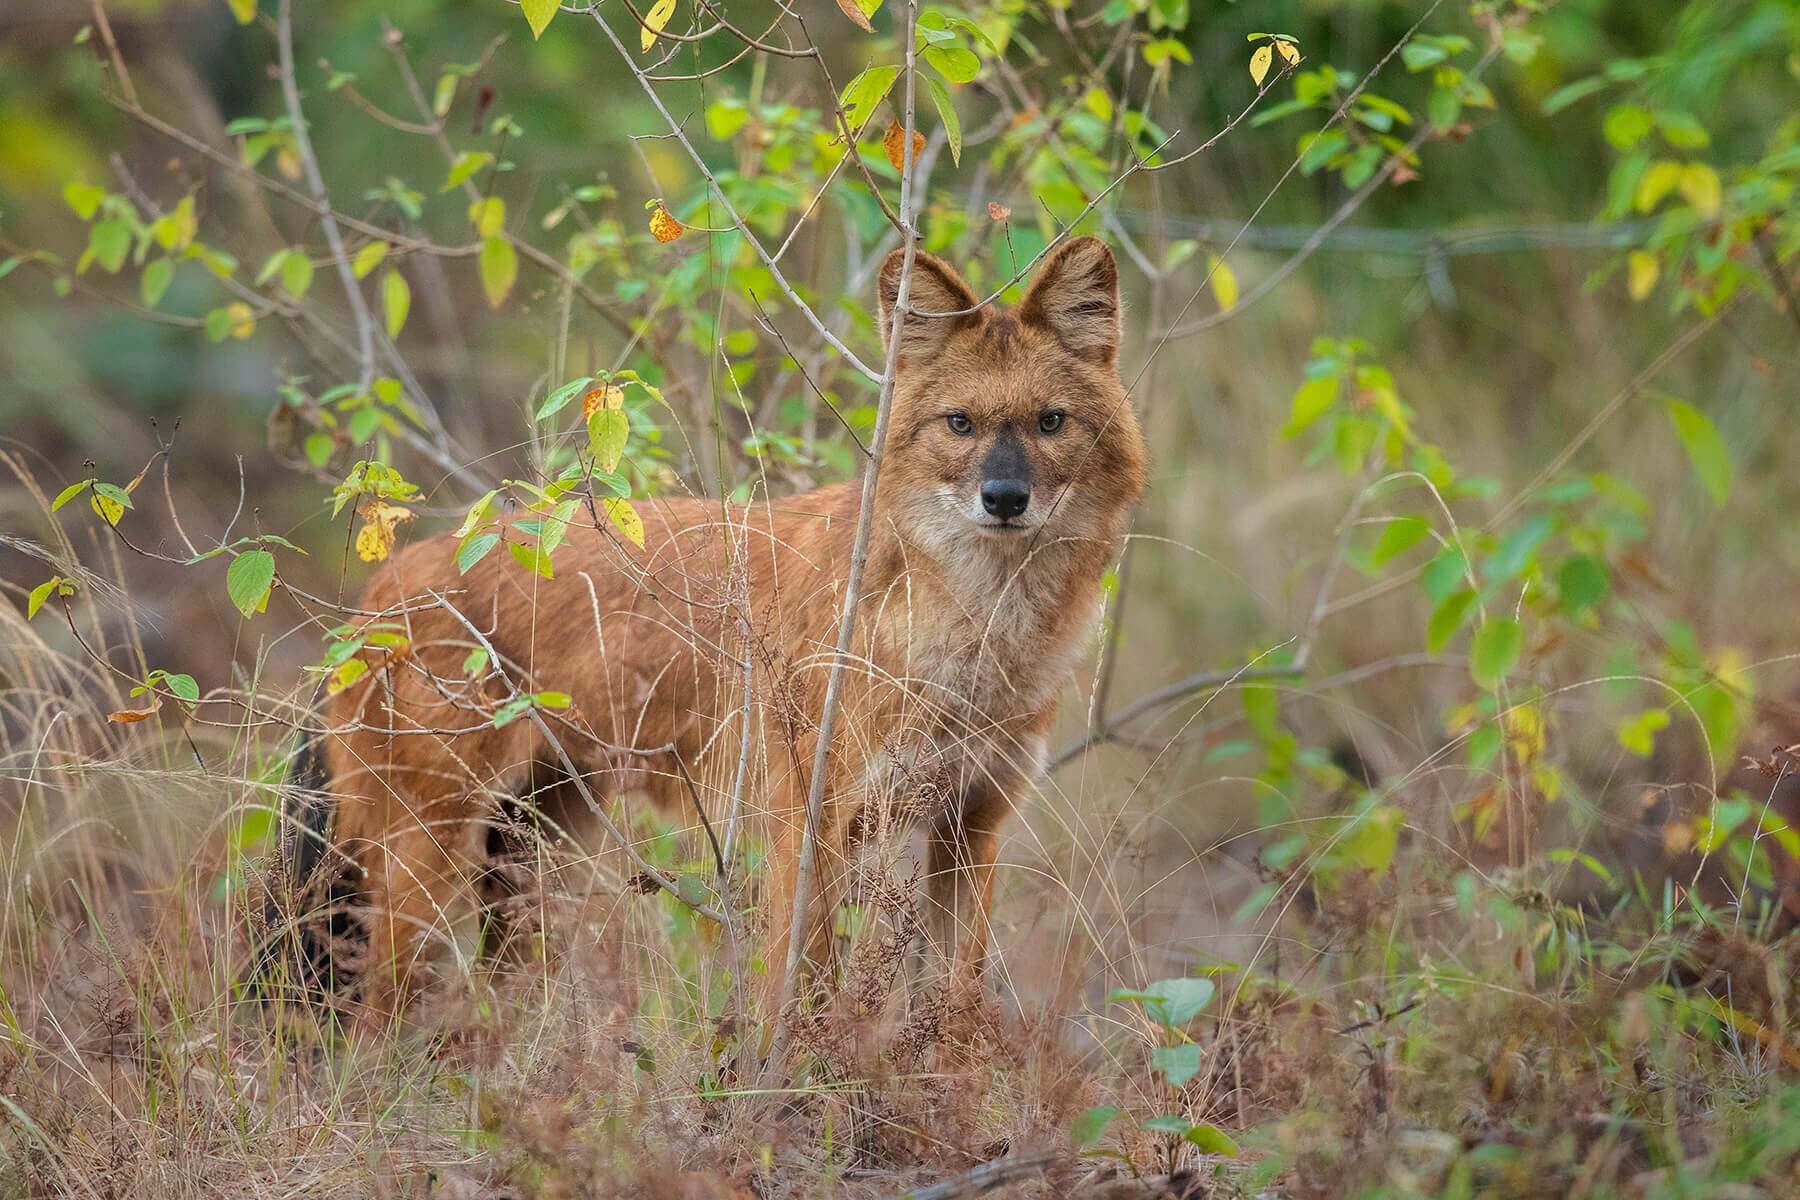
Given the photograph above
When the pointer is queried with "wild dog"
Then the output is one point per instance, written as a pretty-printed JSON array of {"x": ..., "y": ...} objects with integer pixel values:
[{"x": 1012, "y": 461}]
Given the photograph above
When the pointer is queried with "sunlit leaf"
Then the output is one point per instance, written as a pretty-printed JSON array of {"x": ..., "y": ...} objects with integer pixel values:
[
  {"x": 1642, "y": 268},
  {"x": 84, "y": 198},
  {"x": 1261, "y": 59},
  {"x": 1209, "y": 1139},
  {"x": 621, "y": 513},
  {"x": 663, "y": 226},
  {"x": 654, "y": 21},
  {"x": 243, "y": 10},
  {"x": 488, "y": 216},
  {"x": 368, "y": 258},
  {"x": 863, "y": 93},
  {"x": 396, "y": 302},
  {"x": 1223, "y": 281},
  {"x": 499, "y": 269},
  {"x": 464, "y": 166},
  {"x": 1700, "y": 187},
  {"x": 538, "y": 14}
]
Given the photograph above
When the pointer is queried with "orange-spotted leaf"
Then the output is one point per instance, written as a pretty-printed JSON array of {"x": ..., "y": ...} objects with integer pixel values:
[
  {"x": 665, "y": 227},
  {"x": 1289, "y": 54},
  {"x": 375, "y": 541},
  {"x": 599, "y": 398},
  {"x": 625, "y": 517},
  {"x": 895, "y": 141}
]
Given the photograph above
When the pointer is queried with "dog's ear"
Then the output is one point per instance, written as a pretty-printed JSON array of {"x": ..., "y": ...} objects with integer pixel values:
[
  {"x": 935, "y": 288},
  {"x": 1075, "y": 298}
]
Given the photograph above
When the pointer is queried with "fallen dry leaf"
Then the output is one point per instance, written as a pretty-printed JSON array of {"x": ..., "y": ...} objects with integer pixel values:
[{"x": 998, "y": 211}]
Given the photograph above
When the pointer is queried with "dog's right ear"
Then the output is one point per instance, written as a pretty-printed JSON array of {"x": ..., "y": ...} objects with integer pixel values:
[{"x": 935, "y": 288}]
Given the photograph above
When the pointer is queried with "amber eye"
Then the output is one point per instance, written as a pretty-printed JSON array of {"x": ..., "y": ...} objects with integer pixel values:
[
  {"x": 960, "y": 424},
  {"x": 1050, "y": 422}
]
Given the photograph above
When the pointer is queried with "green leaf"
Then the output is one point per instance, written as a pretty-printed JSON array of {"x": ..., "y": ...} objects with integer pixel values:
[
  {"x": 158, "y": 274},
  {"x": 538, "y": 14},
  {"x": 1177, "y": 1063},
  {"x": 443, "y": 95},
  {"x": 1175, "y": 1002},
  {"x": 474, "y": 548},
  {"x": 296, "y": 274},
  {"x": 243, "y": 10},
  {"x": 1211, "y": 1140},
  {"x": 608, "y": 430},
  {"x": 692, "y": 889},
  {"x": 248, "y": 579},
  {"x": 1085, "y": 1130},
  {"x": 464, "y": 166},
  {"x": 69, "y": 493},
  {"x": 556, "y": 401},
  {"x": 953, "y": 63},
  {"x": 1166, "y": 1124},
  {"x": 499, "y": 269},
  {"x": 39, "y": 594},
  {"x": 182, "y": 685},
  {"x": 114, "y": 493},
  {"x": 396, "y": 302},
  {"x": 1581, "y": 584},
  {"x": 109, "y": 242},
  {"x": 1705, "y": 449},
  {"x": 1447, "y": 618},
  {"x": 1401, "y": 535},
  {"x": 940, "y": 96},
  {"x": 865, "y": 92},
  {"x": 1494, "y": 651},
  {"x": 84, "y": 198},
  {"x": 530, "y": 556},
  {"x": 1516, "y": 549},
  {"x": 1638, "y": 735},
  {"x": 1314, "y": 398}
]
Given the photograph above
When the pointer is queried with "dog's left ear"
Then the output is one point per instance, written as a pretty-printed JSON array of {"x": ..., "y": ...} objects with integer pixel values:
[{"x": 1075, "y": 298}]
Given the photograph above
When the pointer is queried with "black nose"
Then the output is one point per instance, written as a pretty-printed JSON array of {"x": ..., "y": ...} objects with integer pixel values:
[{"x": 1005, "y": 498}]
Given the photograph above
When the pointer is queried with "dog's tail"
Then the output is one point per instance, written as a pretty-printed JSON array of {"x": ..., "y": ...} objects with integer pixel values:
[{"x": 306, "y": 913}]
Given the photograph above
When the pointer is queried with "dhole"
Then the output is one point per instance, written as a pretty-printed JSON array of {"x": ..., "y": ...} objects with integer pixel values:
[{"x": 1012, "y": 461}]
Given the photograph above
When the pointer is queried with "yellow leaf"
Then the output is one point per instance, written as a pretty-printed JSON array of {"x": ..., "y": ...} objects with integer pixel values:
[
  {"x": 1700, "y": 188},
  {"x": 489, "y": 216},
  {"x": 110, "y": 511},
  {"x": 599, "y": 398},
  {"x": 243, "y": 321},
  {"x": 1289, "y": 54},
  {"x": 1642, "y": 270},
  {"x": 895, "y": 141},
  {"x": 1657, "y": 182},
  {"x": 499, "y": 269},
  {"x": 373, "y": 542},
  {"x": 1224, "y": 280},
  {"x": 654, "y": 20},
  {"x": 368, "y": 258},
  {"x": 665, "y": 227},
  {"x": 243, "y": 10},
  {"x": 1260, "y": 62},
  {"x": 538, "y": 14},
  {"x": 626, "y": 518}
]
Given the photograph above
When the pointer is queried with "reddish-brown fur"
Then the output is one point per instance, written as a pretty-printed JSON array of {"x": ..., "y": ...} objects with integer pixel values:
[{"x": 964, "y": 638}]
